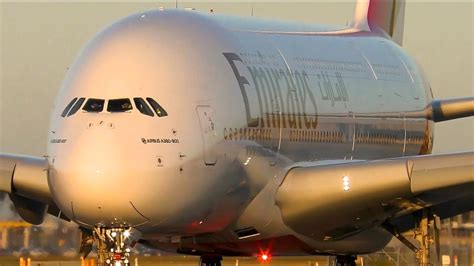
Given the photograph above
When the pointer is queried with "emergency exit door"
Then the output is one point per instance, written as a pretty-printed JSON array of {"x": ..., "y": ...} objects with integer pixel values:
[{"x": 208, "y": 132}]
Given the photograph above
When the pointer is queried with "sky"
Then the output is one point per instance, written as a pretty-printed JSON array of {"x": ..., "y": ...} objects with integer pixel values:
[{"x": 40, "y": 40}]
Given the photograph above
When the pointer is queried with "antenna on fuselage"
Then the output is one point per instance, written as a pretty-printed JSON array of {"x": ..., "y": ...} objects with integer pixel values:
[
  {"x": 176, "y": 4},
  {"x": 251, "y": 12}
]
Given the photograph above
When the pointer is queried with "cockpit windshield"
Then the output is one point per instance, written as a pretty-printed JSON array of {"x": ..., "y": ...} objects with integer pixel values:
[
  {"x": 148, "y": 107},
  {"x": 143, "y": 107},
  {"x": 76, "y": 106},
  {"x": 68, "y": 107},
  {"x": 158, "y": 109},
  {"x": 119, "y": 105},
  {"x": 94, "y": 105}
]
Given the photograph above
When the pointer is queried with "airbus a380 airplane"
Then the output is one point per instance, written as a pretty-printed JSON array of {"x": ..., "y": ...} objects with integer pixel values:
[{"x": 214, "y": 136}]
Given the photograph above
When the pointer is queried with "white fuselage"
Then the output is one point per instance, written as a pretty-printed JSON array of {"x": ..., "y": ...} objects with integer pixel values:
[{"x": 245, "y": 103}]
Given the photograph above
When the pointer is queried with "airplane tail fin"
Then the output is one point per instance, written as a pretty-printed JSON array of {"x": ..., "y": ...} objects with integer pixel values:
[{"x": 381, "y": 15}]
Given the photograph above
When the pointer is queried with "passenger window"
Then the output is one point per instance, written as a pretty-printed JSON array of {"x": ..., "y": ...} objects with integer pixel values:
[
  {"x": 68, "y": 107},
  {"x": 158, "y": 109},
  {"x": 76, "y": 107},
  {"x": 94, "y": 105},
  {"x": 119, "y": 105},
  {"x": 143, "y": 107}
]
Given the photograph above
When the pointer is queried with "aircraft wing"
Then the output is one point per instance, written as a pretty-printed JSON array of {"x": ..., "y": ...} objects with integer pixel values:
[
  {"x": 25, "y": 179},
  {"x": 337, "y": 200}
]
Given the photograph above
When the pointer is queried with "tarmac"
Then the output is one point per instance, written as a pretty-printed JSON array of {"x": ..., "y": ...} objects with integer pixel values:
[{"x": 176, "y": 261}]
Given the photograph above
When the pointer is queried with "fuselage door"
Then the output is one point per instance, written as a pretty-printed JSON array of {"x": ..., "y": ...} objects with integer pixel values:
[{"x": 209, "y": 136}]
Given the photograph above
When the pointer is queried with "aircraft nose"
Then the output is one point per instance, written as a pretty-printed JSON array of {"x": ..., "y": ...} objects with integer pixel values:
[{"x": 96, "y": 178}]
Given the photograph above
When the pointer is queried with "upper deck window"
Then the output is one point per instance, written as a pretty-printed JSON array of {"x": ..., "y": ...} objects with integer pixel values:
[
  {"x": 76, "y": 106},
  {"x": 68, "y": 107},
  {"x": 119, "y": 105},
  {"x": 143, "y": 107},
  {"x": 94, "y": 105},
  {"x": 158, "y": 109}
]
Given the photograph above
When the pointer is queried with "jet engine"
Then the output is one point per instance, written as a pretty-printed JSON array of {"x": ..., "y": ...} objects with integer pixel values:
[{"x": 25, "y": 179}]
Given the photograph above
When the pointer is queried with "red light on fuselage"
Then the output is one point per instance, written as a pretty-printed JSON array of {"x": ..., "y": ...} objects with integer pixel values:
[{"x": 264, "y": 257}]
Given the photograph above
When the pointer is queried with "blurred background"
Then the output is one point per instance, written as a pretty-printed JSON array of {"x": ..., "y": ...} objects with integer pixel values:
[{"x": 39, "y": 40}]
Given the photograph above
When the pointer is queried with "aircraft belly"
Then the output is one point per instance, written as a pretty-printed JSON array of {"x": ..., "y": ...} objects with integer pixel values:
[{"x": 286, "y": 245}]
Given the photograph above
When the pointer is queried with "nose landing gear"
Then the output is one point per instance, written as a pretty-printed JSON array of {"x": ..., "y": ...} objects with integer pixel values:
[
  {"x": 210, "y": 260},
  {"x": 114, "y": 245},
  {"x": 346, "y": 260}
]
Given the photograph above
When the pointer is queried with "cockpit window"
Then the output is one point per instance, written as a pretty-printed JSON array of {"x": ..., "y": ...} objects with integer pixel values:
[
  {"x": 76, "y": 106},
  {"x": 158, "y": 109},
  {"x": 119, "y": 105},
  {"x": 143, "y": 107},
  {"x": 68, "y": 107},
  {"x": 94, "y": 105},
  {"x": 147, "y": 107}
]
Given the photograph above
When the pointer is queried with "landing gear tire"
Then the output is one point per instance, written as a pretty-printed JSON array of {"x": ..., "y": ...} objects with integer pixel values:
[
  {"x": 210, "y": 260},
  {"x": 348, "y": 260}
]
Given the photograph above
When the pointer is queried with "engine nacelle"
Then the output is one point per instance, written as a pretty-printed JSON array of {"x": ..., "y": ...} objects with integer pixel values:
[{"x": 25, "y": 179}]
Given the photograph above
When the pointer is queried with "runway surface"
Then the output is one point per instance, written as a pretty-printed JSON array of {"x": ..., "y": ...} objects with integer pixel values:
[{"x": 181, "y": 261}]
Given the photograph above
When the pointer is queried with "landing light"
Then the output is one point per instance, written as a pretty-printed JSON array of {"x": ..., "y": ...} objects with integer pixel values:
[
  {"x": 248, "y": 161},
  {"x": 126, "y": 233},
  {"x": 346, "y": 183}
]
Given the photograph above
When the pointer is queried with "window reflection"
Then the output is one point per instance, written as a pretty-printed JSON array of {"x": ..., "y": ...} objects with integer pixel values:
[
  {"x": 94, "y": 105},
  {"x": 158, "y": 109},
  {"x": 143, "y": 107},
  {"x": 119, "y": 105}
]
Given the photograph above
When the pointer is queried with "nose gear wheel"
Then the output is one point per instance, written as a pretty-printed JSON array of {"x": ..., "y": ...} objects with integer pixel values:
[
  {"x": 210, "y": 260},
  {"x": 348, "y": 260}
]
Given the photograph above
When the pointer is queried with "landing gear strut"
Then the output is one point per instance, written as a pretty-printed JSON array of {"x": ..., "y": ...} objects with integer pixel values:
[
  {"x": 426, "y": 233},
  {"x": 113, "y": 245},
  {"x": 347, "y": 260},
  {"x": 427, "y": 224},
  {"x": 210, "y": 260}
]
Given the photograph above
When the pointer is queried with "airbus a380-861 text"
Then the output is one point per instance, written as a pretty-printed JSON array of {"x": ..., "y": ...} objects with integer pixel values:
[{"x": 215, "y": 136}]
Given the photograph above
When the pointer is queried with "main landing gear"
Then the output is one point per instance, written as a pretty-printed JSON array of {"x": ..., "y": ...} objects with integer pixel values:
[
  {"x": 113, "y": 245},
  {"x": 347, "y": 260},
  {"x": 425, "y": 233},
  {"x": 210, "y": 260}
]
